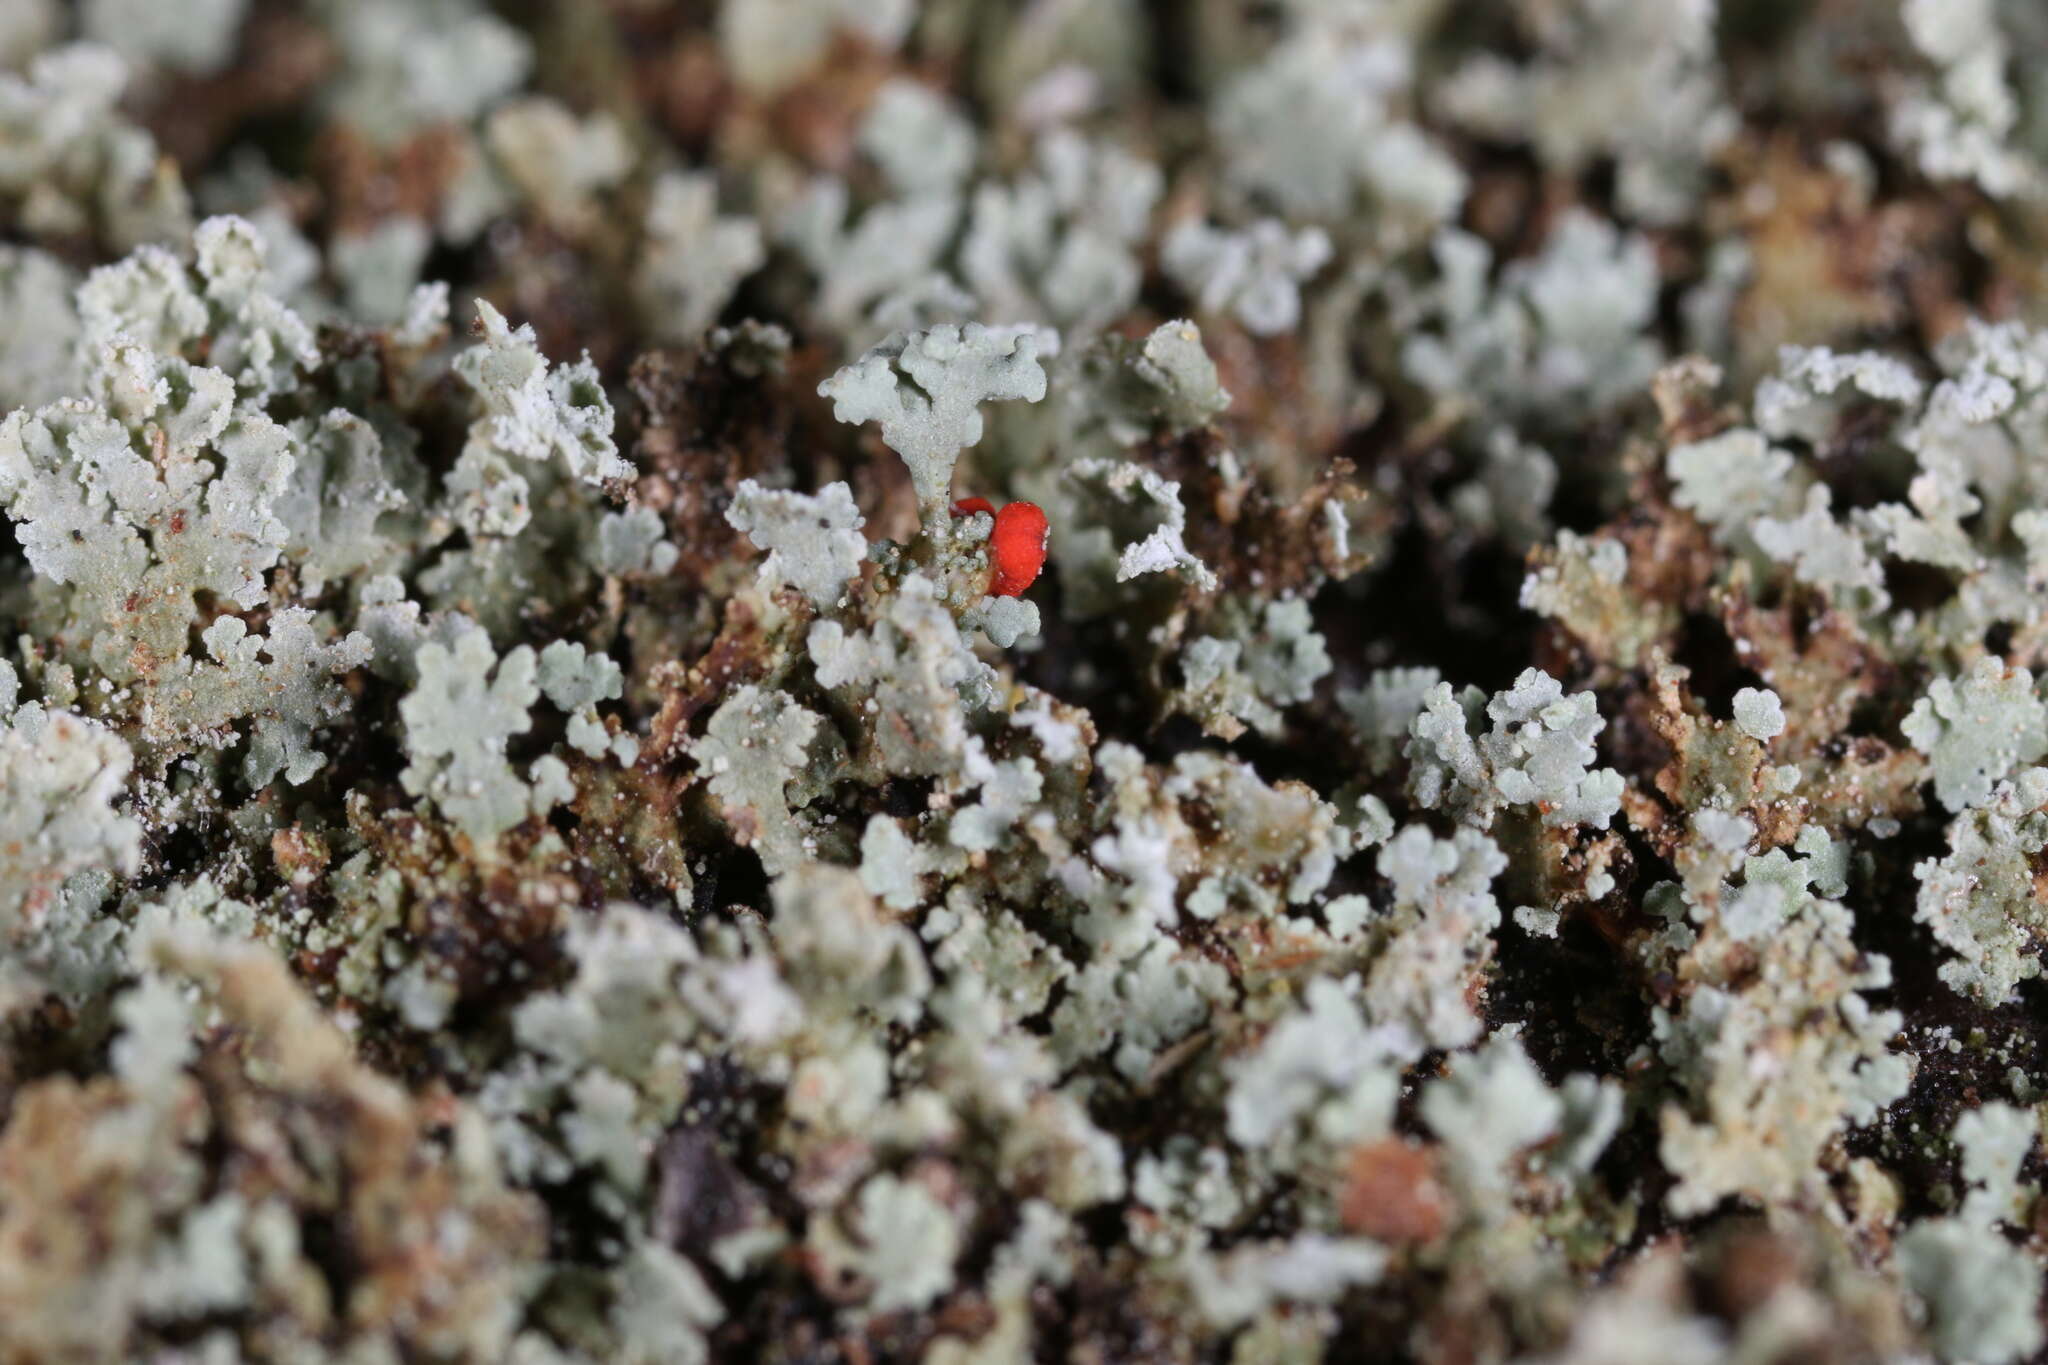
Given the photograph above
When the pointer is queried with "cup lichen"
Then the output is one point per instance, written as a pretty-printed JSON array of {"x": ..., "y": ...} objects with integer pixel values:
[{"x": 1464, "y": 786}]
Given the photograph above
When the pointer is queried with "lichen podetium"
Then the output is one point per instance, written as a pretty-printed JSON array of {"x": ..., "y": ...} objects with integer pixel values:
[{"x": 978, "y": 683}]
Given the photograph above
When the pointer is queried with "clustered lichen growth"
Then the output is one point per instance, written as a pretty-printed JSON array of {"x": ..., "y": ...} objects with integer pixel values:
[{"x": 1513, "y": 826}]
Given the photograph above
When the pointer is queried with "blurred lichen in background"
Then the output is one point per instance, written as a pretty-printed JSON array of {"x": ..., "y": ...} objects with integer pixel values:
[{"x": 987, "y": 681}]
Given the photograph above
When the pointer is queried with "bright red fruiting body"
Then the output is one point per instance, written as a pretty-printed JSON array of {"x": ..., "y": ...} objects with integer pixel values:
[{"x": 1016, "y": 548}]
